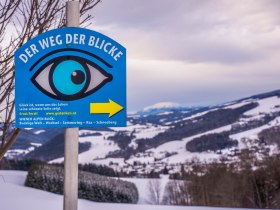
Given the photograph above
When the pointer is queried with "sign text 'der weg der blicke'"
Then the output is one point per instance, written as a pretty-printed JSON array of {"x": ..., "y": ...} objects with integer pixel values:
[{"x": 70, "y": 77}]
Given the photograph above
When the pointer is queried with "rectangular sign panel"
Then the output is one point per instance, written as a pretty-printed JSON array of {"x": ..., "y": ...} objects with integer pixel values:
[{"x": 70, "y": 77}]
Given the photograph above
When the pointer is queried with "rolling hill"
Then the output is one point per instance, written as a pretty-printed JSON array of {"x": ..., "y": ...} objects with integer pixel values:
[{"x": 164, "y": 136}]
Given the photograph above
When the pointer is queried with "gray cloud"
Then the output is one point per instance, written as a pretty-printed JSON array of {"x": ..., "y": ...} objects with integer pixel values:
[
  {"x": 196, "y": 31},
  {"x": 195, "y": 51}
]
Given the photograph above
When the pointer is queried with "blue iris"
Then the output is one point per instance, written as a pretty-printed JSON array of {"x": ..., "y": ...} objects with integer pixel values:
[{"x": 69, "y": 77}]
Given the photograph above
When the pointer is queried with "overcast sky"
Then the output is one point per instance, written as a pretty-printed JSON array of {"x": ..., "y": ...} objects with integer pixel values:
[{"x": 194, "y": 52}]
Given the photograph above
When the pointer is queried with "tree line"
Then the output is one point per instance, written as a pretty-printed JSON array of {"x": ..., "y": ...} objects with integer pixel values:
[{"x": 249, "y": 182}]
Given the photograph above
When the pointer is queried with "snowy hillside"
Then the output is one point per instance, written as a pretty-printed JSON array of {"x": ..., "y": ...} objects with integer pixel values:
[
  {"x": 171, "y": 137},
  {"x": 15, "y": 196}
]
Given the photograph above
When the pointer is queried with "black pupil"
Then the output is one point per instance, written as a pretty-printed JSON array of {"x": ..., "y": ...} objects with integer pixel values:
[{"x": 78, "y": 77}]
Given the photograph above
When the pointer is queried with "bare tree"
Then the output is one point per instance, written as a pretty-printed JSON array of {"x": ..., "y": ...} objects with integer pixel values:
[
  {"x": 176, "y": 193},
  {"x": 154, "y": 191},
  {"x": 21, "y": 21}
]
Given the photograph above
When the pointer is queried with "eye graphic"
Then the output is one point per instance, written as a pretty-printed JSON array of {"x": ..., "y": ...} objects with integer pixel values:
[{"x": 70, "y": 78}]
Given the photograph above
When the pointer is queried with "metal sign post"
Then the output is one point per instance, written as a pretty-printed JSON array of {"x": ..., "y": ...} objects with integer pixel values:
[{"x": 71, "y": 139}]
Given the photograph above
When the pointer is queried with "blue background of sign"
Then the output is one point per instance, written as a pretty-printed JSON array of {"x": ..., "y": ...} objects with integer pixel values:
[{"x": 27, "y": 93}]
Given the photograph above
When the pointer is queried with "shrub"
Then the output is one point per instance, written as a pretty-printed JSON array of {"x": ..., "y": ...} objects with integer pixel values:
[{"x": 91, "y": 186}]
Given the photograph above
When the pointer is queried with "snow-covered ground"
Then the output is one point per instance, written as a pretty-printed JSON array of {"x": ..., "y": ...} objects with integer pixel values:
[
  {"x": 237, "y": 105},
  {"x": 179, "y": 147},
  {"x": 173, "y": 153},
  {"x": 196, "y": 115},
  {"x": 100, "y": 147},
  {"x": 266, "y": 105},
  {"x": 143, "y": 187},
  {"x": 170, "y": 153},
  {"x": 253, "y": 133},
  {"x": 15, "y": 196}
]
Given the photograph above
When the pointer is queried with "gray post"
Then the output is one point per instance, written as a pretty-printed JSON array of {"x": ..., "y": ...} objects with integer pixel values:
[{"x": 71, "y": 138}]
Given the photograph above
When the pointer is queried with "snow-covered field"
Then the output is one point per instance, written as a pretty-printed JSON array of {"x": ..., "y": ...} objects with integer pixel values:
[
  {"x": 266, "y": 105},
  {"x": 15, "y": 196},
  {"x": 100, "y": 147},
  {"x": 171, "y": 154},
  {"x": 174, "y": 153}
]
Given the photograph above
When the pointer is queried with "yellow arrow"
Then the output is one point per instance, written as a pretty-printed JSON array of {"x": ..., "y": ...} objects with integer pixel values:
[{"x": 110, "y": 108}]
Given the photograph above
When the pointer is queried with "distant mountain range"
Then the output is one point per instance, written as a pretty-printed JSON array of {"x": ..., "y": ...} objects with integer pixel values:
[
  {"x": 163, "y": 107},
  {"x": 166, "y": 135}
]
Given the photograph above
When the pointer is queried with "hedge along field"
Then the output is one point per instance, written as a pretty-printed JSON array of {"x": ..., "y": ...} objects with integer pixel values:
[{"x": 91, "y": 186}]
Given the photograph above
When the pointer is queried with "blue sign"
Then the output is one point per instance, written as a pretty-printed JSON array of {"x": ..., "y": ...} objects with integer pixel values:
[{"x": 70, "y": 77}]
